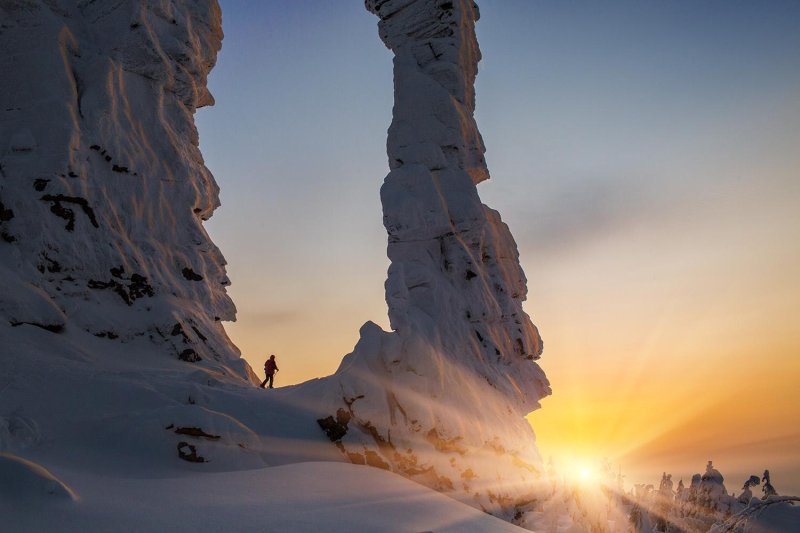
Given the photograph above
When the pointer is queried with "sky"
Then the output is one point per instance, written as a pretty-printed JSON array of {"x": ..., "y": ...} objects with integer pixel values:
[{"x": 646, "y": 156}]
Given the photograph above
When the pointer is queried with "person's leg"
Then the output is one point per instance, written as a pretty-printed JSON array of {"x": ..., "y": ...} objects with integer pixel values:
[
  {"x": 270, "y": 378},
  {"x": 264, "y": 382}
]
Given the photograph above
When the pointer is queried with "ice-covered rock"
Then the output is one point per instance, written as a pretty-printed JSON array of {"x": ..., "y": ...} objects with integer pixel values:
[
  {"x": 103, "y": 190},
  {"x": 442, "y": 398}
]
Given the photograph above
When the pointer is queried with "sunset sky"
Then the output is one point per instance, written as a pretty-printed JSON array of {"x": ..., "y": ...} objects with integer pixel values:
[{"x": 646, "y": 157}]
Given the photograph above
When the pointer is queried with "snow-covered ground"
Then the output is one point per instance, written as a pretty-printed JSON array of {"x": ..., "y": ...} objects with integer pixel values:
[
  {"x": 297, "y": 497},
  {"x": 101, "y": 454}
]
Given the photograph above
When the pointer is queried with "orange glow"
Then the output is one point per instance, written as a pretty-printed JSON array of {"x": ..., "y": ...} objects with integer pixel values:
[
  {"x": 665, "y": 345},
  {"x": 673, "y": 360}
]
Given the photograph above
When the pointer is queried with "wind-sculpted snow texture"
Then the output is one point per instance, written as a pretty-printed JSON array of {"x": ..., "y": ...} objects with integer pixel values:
[
  {"x": 103, "y": 190},
  {"x": 442, "y": 398}
]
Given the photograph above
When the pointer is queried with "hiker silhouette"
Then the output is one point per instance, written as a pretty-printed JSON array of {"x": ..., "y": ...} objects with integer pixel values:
[{"x": 270, "y": 367}]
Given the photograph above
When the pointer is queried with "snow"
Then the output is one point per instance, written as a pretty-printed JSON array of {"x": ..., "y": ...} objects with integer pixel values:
[
  {"x": 89, "y": 442},
  {"x": 296, "y": 497},
  {"x": 25, "y": 482}
]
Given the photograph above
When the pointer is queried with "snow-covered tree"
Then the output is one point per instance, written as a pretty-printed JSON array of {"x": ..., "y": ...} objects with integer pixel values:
[
  {"x": 767, "y": 489},
  {"x": 747, "y": 494}
]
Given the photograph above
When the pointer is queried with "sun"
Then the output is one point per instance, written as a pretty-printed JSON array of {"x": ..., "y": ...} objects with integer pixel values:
[{"x": 584, "y": 473}]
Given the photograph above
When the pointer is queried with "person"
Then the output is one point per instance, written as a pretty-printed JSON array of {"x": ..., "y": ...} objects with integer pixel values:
[{"x": 270, "y": 367}]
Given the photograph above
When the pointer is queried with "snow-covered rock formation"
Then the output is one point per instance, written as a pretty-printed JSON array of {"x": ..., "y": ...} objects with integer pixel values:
[
  {"x": 442, "y": 398},
  {"x": 114, "y": 361},
  {"x": 103, "y": 190}
]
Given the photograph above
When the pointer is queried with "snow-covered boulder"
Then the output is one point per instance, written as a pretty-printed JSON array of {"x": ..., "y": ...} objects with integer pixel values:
[{"x": 442, "y": 398}]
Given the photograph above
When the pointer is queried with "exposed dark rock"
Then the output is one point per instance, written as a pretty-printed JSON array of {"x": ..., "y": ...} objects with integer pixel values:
[
  {"x": 470, "y": 274},
  {"x": 50, "y": 265},
  {"x": 137, "y": 286},
  {"x": 67, "y": 214},
  {"x": 5, "y": 214},
  {"x": 40, "y": 184},
  {"x": 53, "y": 328},
  {"x": 335, "y": 429},
  {"x": 117, "y": 168},
  {"x": 189, "y": 355},
  {"x": 191, "y": 275},
  {"x": 177, "y": 329},
  {"x": 106, "y": 335},
  {"x": 116, "y": 286},
  {"x": 187, "y": 452},
  {"x": 196, "y": 432},
  {"x": 350, "y": 401},
  {"x": 199, "y": 335}
]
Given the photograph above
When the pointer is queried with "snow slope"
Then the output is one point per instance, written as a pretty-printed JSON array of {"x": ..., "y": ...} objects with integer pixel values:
[
  {"x": 298, "y": 497},
  {"x": 89, "y": 443}
]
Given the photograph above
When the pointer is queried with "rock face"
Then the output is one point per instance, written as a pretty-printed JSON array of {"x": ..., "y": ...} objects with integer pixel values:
[
  {"x": 103, "y": 190},
  {"x": 442, "y": 398}
]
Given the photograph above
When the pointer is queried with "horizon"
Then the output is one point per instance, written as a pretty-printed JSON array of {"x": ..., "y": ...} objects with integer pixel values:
[{"x": 645, "y": 160}]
